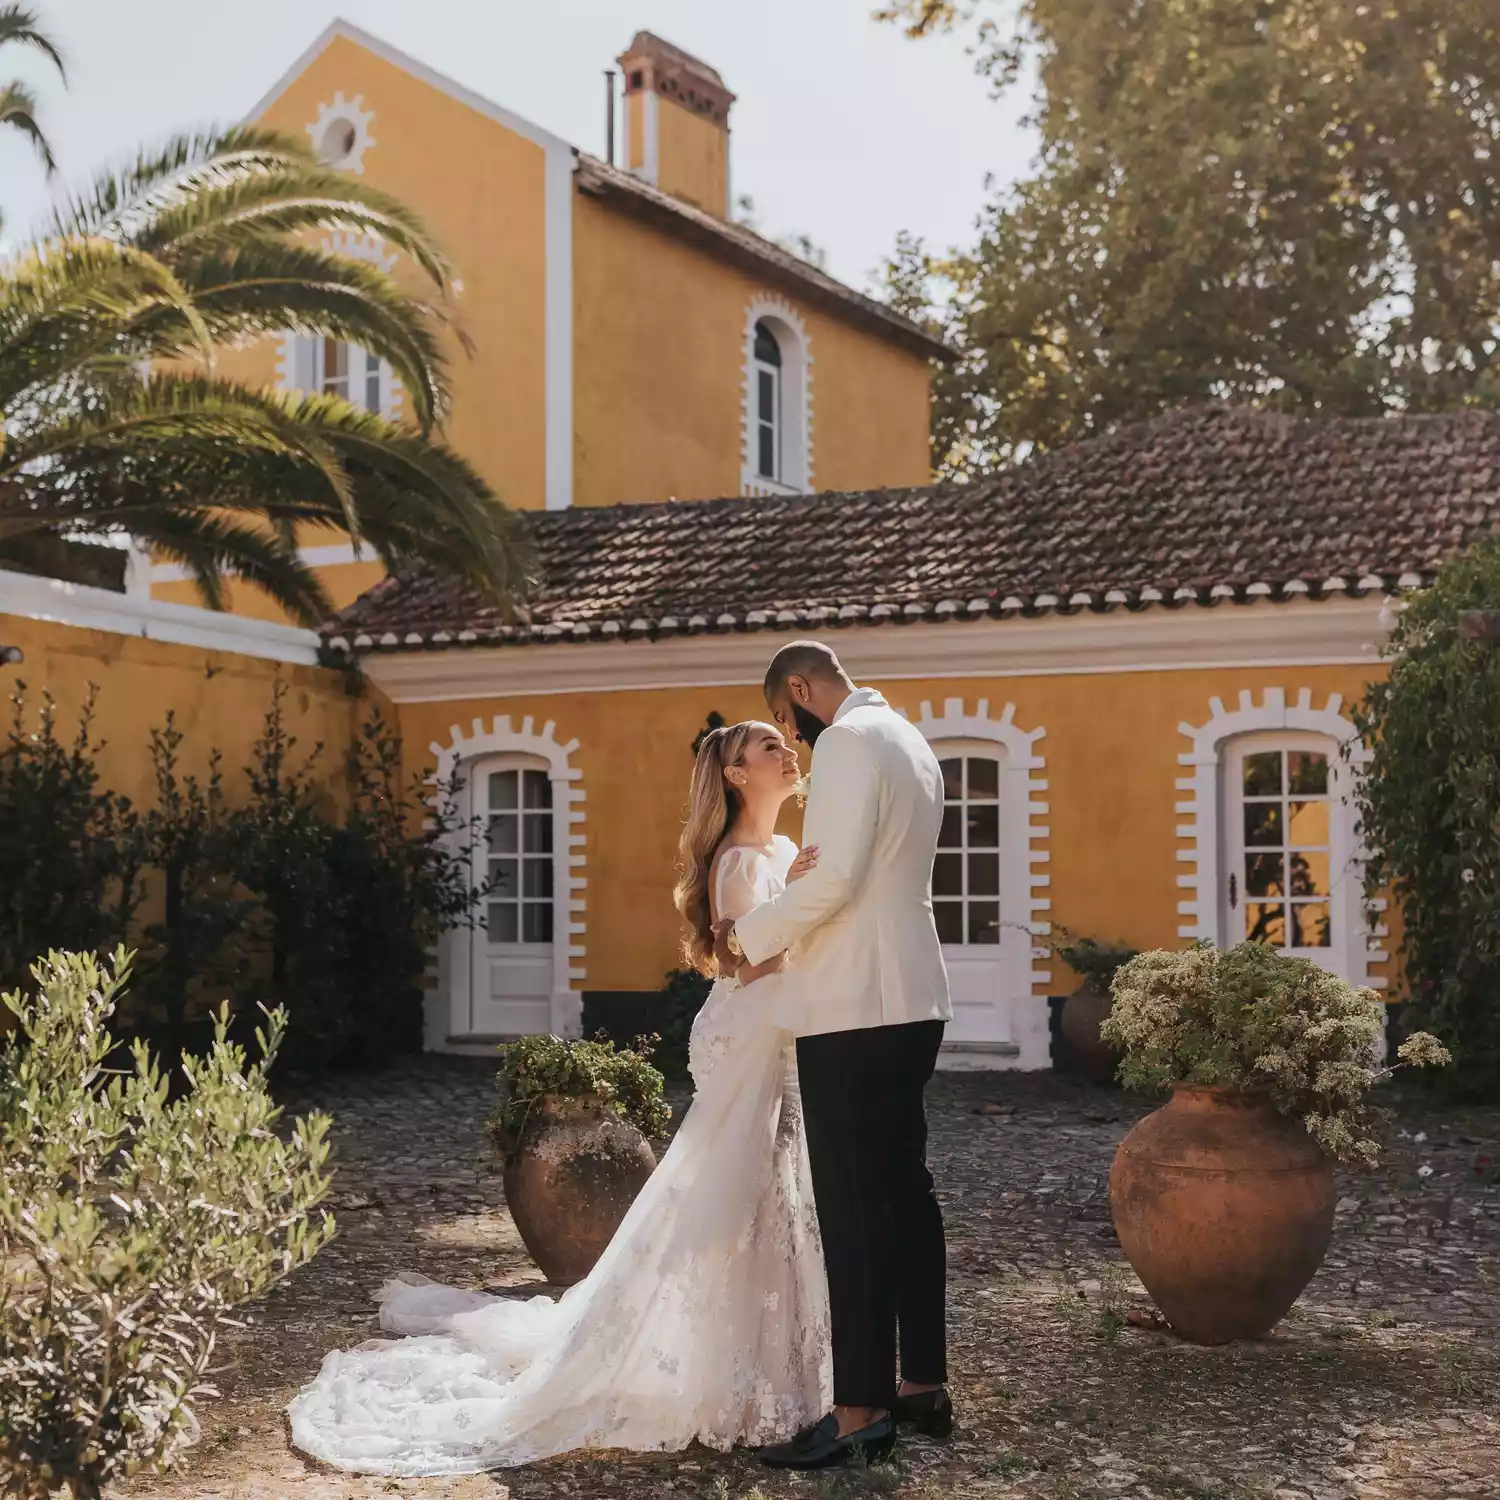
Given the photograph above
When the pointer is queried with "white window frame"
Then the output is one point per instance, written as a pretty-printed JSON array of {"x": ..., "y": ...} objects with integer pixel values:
[
  {"x": 325, "y": 384},
  {"x": 450, "y": 1025},
  {"x": 795, "y": 406},
  {"x": 760, "y": 371},
  {"x": 1203, "y": 908}
]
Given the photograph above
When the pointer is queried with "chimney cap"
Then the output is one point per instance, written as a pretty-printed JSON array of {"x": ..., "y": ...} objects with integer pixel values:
[{"x": 651, "y": 63}]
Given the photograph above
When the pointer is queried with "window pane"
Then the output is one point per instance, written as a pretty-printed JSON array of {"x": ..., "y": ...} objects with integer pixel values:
[
  {"x": 539, "y": 833},
  {"x": 767, "y": 350},
  {"x": 538, "y": 922},
  {"x": 950, "y": 920},
  {"x": 948, "y": 875},
  {"x": 1311, "y": 927},
  {"x": 1265, "y": 922},
  {"x": 984, "y": 827},
  {"x": 502, "y": 922},
  {"x": 1263, "y": 875},
  {"x": 505, "y": 877},
  {"x": 767, "y": 451},
  {"x": 503, "y": 788},
  {"x": 984, "y": 780},
  {"x": 952, "y": 834},
  {"x": 372, "y": 383},
  {"x": 539, "y": 878},
  {"x": 953, "y": 779},
  {"x": 504, "y": 828},
  {"x": 1310, "y": 874},
  {"x": 984, "y": 921},
  {"x": 538, "y": 789},
  {"x": 1307, "y": 825},
  {"x": 766, "y": 385},
  {"x": 984, "y": 874},
  {"x": 335, "y": 367},
  {"x": 1307, "y": 771},
  {"x": 1263, "y": 774},
  {"x": 1262, "y": 823}
]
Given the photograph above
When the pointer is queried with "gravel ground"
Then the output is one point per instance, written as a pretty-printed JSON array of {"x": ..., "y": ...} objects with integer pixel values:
[{"x": 1384, "y": 1384}]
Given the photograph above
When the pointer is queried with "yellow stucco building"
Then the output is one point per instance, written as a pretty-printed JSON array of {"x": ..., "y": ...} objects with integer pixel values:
[
  {"x": 630, "y": 342},
  {"x": 1137, "y": 658}
]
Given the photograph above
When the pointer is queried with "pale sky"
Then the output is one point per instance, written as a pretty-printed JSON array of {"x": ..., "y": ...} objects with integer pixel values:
[{"x": 843, "y": 129}]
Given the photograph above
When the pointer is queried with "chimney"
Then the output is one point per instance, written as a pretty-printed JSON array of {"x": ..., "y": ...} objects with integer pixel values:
[{"x": 677, "y": 123}]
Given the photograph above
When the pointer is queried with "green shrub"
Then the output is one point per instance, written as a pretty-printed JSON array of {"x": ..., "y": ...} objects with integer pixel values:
[
  {"x": 1429, "y": 803},
  {"x": 1092, "y": 960},
  {"x": 1254, "y": 1019},
  {"x": 130, "y": 1227},
  {"x": 621, "y": 1080},
  {"x": 69, "y": 851}
]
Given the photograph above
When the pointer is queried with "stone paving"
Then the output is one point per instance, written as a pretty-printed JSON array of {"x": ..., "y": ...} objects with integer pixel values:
[{"x": 1384, "y": 1384}]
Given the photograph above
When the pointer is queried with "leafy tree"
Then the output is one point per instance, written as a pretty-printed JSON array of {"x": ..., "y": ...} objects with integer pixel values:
[
  {"x": 1430, "y": 810},
  {"x": 69, "y": 851},
  {"x": 212, "y": 242},
  {"x": 130, "y": 1227},
  {"x": 18, "y": 106},
  {"x": 1293, "y": 203}
]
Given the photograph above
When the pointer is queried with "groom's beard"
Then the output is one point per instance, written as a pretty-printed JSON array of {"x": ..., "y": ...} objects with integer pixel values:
[{"x": 809, "y": 725}]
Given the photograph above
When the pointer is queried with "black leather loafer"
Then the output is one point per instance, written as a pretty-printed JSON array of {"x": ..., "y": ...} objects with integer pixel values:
[
  {"x": 930, "y": 1412},
  {"x": 821, "y": 1447}
]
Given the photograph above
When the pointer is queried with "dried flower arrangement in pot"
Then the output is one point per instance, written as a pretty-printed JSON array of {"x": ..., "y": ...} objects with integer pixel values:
[
  {"x": 574, "y": 1127},
  {"x": 1224, "y": 1198}
]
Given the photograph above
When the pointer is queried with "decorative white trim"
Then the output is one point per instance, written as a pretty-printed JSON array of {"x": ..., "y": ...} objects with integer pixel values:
[
  {"x": 796, "y": 399},
  {"x": 350, "y": 113},
  {"x": 1199, "y": 834},
  {"x": 136, "y": 614},
  {"x": 562, "y": 163},
  {"x": 450, "y": 1025},
  {"x": 1343, "y": 632},
  {"x": 558, "y": 437},
  {"x": 369, "y": 248},
  {"x": 1023, "y": 879}
]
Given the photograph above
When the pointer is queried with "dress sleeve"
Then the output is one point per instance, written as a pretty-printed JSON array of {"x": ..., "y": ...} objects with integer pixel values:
[{"x": 739, "y": 884}]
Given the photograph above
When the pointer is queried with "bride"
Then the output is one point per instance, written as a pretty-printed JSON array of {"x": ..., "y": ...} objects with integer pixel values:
[{"x": 706, "y": 1317}]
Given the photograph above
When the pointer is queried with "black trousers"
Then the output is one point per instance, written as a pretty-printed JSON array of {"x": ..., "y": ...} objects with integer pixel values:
[{"x": 881, "y": 1225}]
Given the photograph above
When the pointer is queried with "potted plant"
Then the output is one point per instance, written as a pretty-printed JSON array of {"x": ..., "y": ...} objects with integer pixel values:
[
  {"x": 574, "y": 1127},
  {"x": 1084, "y": 1011},
  {"x": 1224, "y": 1198}
]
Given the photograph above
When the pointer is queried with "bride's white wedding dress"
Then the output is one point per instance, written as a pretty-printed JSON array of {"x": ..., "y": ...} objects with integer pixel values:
[{"x": 706, "y": 1318}]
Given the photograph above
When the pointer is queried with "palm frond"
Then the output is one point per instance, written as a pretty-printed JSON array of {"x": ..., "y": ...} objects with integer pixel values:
[
  {"x": 20, "y": 26},
  {"x": 18, "y": 111}
]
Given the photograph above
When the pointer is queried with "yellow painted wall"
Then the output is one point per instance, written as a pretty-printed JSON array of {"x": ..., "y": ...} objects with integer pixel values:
[
  {"x": 659, "y": 334},
  {"x": 692, "y": 158},
  {"x": 1111, "y": 749},
  {"x": 219, "y": 698}
]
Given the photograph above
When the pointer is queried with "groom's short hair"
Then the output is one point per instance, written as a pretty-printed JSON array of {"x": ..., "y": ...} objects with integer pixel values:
[{"x": 809, "y": 659}]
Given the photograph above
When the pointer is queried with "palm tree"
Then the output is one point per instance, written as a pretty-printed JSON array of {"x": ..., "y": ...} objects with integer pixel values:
[
  {"x": 115, "y": 422},
  {"x": 18, "y": 27}
]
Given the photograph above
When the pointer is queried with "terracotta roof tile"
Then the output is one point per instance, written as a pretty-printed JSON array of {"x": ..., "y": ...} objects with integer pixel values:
[{"x": 1195, "y": 507}]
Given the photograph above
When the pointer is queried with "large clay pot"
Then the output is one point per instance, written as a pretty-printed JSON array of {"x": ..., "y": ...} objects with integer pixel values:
[
  {"x": 575, "y": 1176},
  {"x": 1224, "y": 1209},
  {"x": 1083, "y": 1013}
]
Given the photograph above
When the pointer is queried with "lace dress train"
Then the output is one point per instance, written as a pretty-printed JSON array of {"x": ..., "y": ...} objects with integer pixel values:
[{"x": 705, "y": 1319}]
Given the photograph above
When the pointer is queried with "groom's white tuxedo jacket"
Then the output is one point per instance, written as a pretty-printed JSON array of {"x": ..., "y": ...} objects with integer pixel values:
[{"x": 860, "y": 926}]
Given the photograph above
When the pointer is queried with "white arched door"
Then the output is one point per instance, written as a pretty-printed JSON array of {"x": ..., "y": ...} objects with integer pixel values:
[
  {"x": 512, "y": 945},
  {"x": 1291, "y": 877}
]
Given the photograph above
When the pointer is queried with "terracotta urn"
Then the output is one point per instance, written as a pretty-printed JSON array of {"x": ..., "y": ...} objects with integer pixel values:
[
  {"x": 574, "y": 1178},
  {"x": 1224, "y": 1209},
  {"x": 1083, "y": 1013}
]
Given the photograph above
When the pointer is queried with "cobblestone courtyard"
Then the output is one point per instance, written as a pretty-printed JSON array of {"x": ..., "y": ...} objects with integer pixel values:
[{"x": 1384, "y": 1383}]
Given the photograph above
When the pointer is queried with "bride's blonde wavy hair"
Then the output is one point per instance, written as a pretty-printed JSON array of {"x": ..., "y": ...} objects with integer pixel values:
[{"x": 712, "y": 807}]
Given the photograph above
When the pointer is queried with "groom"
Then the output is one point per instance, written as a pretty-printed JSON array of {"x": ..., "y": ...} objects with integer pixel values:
[{"x": 872, "y": 1000}]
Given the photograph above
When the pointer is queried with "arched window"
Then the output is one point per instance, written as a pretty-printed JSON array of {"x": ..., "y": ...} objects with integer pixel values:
[
  {"x": 776, "y": 448},
  {"x": 769, "y": 437}
]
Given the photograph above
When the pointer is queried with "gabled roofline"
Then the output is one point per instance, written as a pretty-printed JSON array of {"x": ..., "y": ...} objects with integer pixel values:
[{"x": 348, "y": 31}]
